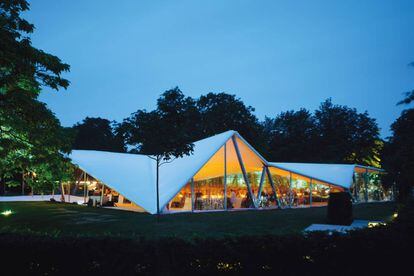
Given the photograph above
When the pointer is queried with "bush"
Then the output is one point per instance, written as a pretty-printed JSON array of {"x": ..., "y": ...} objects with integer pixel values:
[{"x": 340, "y": 208}]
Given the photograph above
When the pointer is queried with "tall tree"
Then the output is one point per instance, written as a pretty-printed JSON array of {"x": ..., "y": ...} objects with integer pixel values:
[
  {"x": 346, "y": 135},
  {"x": 398, "y": 155},
  {"x": 97, "y": 134},
  {"x": 409, "y": 96},
  {"x": 30, "y": 134},
  {"x": 162, "y": 133},
  {"x": 292, "y": 136},
  {"x": 221, "y": 112}
]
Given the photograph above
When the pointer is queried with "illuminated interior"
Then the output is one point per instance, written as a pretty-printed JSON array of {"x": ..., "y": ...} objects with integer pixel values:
[
  {"x": 367, "y": 186},
  {"x": 88, "y": 190}
]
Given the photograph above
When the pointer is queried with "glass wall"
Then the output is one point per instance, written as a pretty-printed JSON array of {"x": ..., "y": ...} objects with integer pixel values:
[
  {"x": 375, "y": 190},
  {"x": 281, "y": 180},
  {"x": 359, "y": 186},
  {"x": 320, "y": 193},
  {"x": 182, "y": 200},
  {"x": 253, "y": 165},
  {"x": 209, "y": 184},
  {"x": 238, "y": 195},
  {"x": 267, "y": 197},
  {"x": 300, "y": 190}
]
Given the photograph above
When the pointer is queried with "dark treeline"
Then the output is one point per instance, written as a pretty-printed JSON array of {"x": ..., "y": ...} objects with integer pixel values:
[{"x": 330, "y": 134}]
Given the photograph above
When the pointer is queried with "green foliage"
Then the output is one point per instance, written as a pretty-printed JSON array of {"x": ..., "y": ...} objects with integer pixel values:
[
  {"x": 163, "y": 132},
  {"x": 97, "y": 134},
  {"x": 398, "y": 155},
  {"x": 23, "y": 67},
  {"x": 359, "y": 252},
  {"x": 31, "y": 138},
  {"x": 333, "y": 134}
]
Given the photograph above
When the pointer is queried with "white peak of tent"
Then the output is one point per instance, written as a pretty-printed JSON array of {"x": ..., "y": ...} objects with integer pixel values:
[
  {"x": 174, "y": 175},
  {"x": 337, "y": 174},
  {"x": 132, "y": 175}
]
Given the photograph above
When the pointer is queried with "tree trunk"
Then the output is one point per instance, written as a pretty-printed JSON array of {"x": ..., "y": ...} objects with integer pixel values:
[
  {"x": 22, "y": 184},
  {"x": 2, "y": 186},
  {"x": 157, "y": 186}
]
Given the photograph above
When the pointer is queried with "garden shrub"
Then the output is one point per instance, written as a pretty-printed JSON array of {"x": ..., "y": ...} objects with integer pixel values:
[{"x": 340, "y": 208}]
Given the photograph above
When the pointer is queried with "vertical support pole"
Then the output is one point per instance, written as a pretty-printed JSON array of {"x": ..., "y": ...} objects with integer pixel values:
[
  {"x": 291, "y": 198},
  {"x": 69, "y": 191},
  {"x": 269, "y": 176},
  {"x": 246, "y": 179},
  {"x": 310, "y": 192},
  {"x": 259, "y": 191},
  {"x": 102, "y": 194},
  {"x": 225, "y": 177},
  {"x": 192, "y": 194},
  {"x": 22, "y": 184},
  {"x": 261, "y": 181},
  {"x": 157, "y": 187},
  {"x": 85, "y": 187},
  {"x": 366, "y": 185}
]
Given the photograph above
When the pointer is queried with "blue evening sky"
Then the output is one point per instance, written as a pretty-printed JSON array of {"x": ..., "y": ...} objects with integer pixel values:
[{"x": 274, "y": 55}]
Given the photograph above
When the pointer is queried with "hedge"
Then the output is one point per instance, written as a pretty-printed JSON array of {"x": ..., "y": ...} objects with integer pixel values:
[{"x": 376, "y": 250}]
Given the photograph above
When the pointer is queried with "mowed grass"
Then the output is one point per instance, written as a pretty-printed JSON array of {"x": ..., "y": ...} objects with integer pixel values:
[{"x": 68, "y": 219}]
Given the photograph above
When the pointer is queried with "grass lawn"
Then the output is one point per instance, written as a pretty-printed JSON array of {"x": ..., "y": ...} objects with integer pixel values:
[{"x": 69, "y": 219}]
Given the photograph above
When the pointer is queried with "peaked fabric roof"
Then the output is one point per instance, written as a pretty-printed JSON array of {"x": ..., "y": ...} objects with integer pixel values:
[
  {"x": 337, "y": 174},
  {"x": 134, "y": 175}
]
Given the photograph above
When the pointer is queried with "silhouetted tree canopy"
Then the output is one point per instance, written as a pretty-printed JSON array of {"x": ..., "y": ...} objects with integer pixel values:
[
  {"x": 97, "y": 134},
  {"x": 333, "y": 134},
  {"x": 409, "y": 96},
  {"x": 292, "y": 136},
  {"x": 164, "y": 132},
  {"x": 398, "y": 154},
  {"x": 346, "y": 135}
]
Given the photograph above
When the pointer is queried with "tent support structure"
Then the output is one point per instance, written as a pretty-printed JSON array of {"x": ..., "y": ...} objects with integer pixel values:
[
  {"x": 366, "y": 180},
  {"x": 310, "y": 192},
  {"x": 259, "y": 192},
  {"x": 246, "y": 179},
  {"x": 102, "y": 194},
  {"x": 85, "y": 187},
  {"x": 192, "y": 194},
  {"x": 269, "y": 176},
  {"x": 225, "y": 177}
]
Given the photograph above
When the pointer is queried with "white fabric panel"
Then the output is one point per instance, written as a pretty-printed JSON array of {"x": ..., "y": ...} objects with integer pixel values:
[
  {"x": 174, "y": 175},
  {"x": 337, "y": 174},
  {"x": 132, "y": 175}
]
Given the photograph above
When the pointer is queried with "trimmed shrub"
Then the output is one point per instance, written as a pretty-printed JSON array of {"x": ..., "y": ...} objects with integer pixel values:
[{"x": 340, "y": 208}]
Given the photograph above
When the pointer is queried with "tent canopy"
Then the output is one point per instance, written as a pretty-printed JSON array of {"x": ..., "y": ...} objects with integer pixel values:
[{"x": 134, "y": 175}]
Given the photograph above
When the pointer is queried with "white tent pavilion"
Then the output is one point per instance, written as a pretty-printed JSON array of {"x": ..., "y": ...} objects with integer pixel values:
[{"x": 223, "y": 173}]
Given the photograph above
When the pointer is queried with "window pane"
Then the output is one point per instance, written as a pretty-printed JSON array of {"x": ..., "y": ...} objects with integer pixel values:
[
  {"x": 281, "y": 180},
  {"x": 320, "y": 193},
  {"x": 182, "y": 201},
  {"x": 359, "y": 186},
  {"x": 237, "y": 192},
  {"x": 300, "y": 190},
  {"x": 267, "y": 197},
  {"x": 209, "y": 184}
]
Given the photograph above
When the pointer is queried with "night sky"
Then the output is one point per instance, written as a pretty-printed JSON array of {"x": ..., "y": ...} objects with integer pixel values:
[{"x": 274, "y": 55}]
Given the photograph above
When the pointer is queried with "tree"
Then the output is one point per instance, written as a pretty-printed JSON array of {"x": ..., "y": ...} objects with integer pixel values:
[
  {"x": 292, "y": 136},
  {"x": 97, "y": 134},
  {"x": 409, "y": 96},
  {"x": 221, "y": 112},
  {"x": 162, "y": 133},
  {"x": 344, "y": 135},
  {"x": 398, "y": 155},
  {"x": 30, "y": 134}
]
